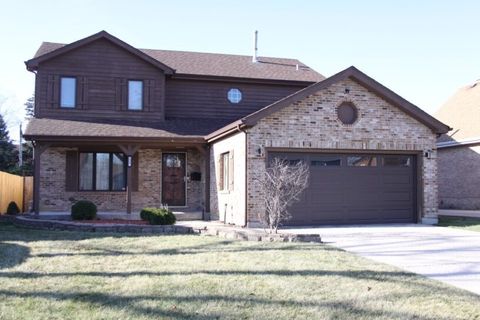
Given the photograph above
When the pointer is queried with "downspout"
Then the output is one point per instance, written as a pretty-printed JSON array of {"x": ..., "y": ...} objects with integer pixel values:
[{"x": 246, "y": 175}]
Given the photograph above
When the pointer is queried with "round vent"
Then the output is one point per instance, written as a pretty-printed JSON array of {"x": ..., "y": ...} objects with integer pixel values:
[{"x": 347, "y": 113}]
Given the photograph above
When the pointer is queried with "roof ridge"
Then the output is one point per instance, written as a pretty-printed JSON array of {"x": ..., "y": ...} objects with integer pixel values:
[{"x": 198, "y": 52}]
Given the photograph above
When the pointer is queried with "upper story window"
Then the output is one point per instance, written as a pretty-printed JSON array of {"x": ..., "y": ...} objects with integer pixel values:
[
  {"x": 68, "y": 88},
  {"x": 135, "y": 95},
  {"x": 234, "y": 95}
]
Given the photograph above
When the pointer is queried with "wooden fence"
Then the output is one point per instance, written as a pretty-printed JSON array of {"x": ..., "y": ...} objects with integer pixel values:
[{"x": 15, "y": 188}]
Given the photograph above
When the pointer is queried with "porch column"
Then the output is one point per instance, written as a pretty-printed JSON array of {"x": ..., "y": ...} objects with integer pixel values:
[
  {"x": 37, "y": 152},
  {"x": 207, "y": 181},
  {"x": 129, "y": 151},
  {"x": 205, "y": 151}
]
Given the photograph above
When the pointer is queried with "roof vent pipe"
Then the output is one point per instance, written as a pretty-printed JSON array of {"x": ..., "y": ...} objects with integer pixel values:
[{"x": 254, "y": 58}]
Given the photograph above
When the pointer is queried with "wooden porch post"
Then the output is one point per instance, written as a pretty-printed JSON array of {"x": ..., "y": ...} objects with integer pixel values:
[
  {"x": 37, "y": 152},
  {"x": 129, "y": 151}
]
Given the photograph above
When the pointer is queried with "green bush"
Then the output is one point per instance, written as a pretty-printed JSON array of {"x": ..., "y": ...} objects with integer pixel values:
[
  {"x": 13, "y": 208},
  {"x": 84, "y": 210},
  {"x": 160, "y": 216}
]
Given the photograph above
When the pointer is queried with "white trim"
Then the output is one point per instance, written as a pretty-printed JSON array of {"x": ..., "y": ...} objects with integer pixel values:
[
  {"x": 184, "y": 177},
  {"x": 448, "y": 144}
]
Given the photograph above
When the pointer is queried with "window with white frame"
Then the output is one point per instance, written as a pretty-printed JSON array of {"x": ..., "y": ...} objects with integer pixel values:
[
  {"x": 234, "y": 95},
  {"x": 68, "y": 88},
  {"x": 225, "y": 171},
  {"x": 135, "y": 95}
]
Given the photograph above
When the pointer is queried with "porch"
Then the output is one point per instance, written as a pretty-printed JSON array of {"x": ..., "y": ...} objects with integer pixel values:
[{"x": 120, "y": 168}]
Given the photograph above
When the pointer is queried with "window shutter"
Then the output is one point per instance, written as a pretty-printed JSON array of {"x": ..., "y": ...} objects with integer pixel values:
[
  {"x": 50, "y": 84},
  {"x": 219, "y": 172},
  {"x": 119, "y": 93},
  {"x": 71, "y": 171},
  {"x": 56, "y": 92},
  {"x": 82, "y": 93},
  {"x": 135, "y": 166},
  {"x": 230, "y": 170},
  {"x": 147, "y": 94}
]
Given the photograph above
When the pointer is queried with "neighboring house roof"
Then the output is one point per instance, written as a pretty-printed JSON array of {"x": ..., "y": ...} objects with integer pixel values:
[
  {"x": 197, "y": 63},
  {"x": 462, "y": 112},
  {"x": 352, "y": 73},
  {"x": 170, "y": 130}
]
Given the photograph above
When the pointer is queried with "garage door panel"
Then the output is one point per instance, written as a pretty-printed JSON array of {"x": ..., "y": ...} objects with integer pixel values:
[{"x": 342, "y": 192}]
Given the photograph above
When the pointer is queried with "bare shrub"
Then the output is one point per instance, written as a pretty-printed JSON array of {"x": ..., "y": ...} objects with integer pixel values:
[{"x": 282, "y": 185}]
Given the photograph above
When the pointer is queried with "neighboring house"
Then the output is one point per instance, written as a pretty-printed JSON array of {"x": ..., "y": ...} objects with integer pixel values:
[
  {"x": 459, "y": 151},
  {"x": 128, "y": 128}
]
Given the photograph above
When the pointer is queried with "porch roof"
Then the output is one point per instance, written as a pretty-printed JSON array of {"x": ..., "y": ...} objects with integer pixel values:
[{"x": 192, "y": 130}]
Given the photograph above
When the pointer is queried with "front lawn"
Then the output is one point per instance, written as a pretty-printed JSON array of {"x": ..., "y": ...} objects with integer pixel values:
[
  {"x": 472, "y": 224},
  {"x": 72, "y": 275}
]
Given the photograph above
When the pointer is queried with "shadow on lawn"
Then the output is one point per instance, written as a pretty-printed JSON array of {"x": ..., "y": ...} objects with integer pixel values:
[
  {"x": 12, "y": 254},
  {"x": 173, "y": 304}
]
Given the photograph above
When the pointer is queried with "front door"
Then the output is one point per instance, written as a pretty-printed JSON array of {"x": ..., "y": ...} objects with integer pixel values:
[{"x": 173, "y": 179}]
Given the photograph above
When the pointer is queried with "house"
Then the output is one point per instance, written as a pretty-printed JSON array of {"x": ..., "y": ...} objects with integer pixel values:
[
  {"x": 459, "y": 150},
  {"x": 129, "y": 128}
]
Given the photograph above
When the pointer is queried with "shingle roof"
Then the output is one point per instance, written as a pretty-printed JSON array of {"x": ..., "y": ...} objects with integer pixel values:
[
  {"x": 174, "y": 129},
  {"x": 353, "y": 73},
  {"x": 462, "y": 113},
  {"x": 222, "y": 65}
]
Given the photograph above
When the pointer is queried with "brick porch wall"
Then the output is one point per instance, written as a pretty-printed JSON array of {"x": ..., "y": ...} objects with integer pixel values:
[
  {"x": 53, "y": 196},
  {"x": 313, "y": 124}
]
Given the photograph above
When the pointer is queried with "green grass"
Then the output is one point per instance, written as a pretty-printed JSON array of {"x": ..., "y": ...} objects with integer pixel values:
[
  {"x": 72, "y": 275},
  {"x": 472, "y": 224}
]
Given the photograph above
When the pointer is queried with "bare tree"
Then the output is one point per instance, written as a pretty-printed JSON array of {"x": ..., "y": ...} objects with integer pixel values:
[{"x": 282, "y": 185}]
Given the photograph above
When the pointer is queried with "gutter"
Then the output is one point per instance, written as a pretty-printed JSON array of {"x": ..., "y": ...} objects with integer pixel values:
[
  {"x": 464, "y": 142},
  {"x": 233, "y": 127}
]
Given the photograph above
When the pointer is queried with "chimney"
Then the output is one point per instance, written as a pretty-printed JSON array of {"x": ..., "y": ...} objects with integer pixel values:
[{"x": 254, "y": 58}]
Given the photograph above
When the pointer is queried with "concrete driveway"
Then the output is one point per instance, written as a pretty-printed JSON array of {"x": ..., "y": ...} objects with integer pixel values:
[{"x": 445, "y": 254}]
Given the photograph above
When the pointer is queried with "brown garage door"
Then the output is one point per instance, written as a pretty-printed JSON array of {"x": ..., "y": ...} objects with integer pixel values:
[{"x": 355, "y": 188}]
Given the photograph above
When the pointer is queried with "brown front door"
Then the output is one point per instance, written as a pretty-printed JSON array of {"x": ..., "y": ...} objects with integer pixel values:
[{"x": 173, "y": 179}]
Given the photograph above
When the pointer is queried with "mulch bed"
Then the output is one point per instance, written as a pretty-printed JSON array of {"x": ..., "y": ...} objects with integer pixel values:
[{"x": 114, "y": 221}]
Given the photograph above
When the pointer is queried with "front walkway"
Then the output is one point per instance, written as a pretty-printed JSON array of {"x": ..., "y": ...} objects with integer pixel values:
[{"x": 445, "y": 254}]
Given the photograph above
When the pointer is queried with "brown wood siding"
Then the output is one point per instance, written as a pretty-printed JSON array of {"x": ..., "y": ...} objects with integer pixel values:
[
  {"x": 102, "y": 70},
  {"x": 208, "y": 99}
]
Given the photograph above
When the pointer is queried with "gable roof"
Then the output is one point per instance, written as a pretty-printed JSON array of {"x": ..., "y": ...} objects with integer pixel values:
[
  {"x": 50, "y": 51},
  {"x": 462, "y": 112},
  {"x": 353, "y": 73},
  {"x": 199, "y": 63}
]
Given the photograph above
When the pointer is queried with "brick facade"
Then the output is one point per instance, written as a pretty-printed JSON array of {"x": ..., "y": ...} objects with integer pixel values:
[
  {"x": 313, "y": 124},
  {"x": 458, "y": 177},
  {"x": 53, "y": 196}
]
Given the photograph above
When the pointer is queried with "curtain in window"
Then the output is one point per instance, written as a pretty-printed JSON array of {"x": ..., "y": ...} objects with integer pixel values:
[
  {"x": 103, "y": 172},
  {"x": 118, "y": 171}
]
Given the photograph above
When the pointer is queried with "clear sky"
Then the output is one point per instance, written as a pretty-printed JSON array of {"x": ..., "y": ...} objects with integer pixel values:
[{"x": 423, "y": 50}]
